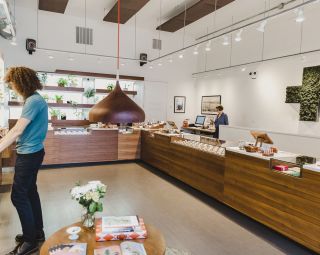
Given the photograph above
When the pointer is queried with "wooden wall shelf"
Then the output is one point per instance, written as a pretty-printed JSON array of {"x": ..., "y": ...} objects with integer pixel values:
[
  {"x": 66, "y": 89},
  {"x": 106, "y": 91},
  {"x": 64, "y": 105}
]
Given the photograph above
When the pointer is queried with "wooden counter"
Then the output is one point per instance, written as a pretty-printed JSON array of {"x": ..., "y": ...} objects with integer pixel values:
[
  {"x": 289, "y": 205},
  {"x": 98, "y": 146},
  {"x": 201, "y": 170}
]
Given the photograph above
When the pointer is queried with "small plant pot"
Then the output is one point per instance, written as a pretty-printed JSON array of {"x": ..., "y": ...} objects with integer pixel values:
[
  {"x": 61, "y": 85},
  {"x": 63, "y": 117},
  {"x": 54, "y": 118},
  {"x": 59, "y": 101}
]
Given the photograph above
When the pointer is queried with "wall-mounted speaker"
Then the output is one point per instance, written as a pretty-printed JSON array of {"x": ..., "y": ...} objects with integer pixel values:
[
  {"x": 31, "y": 45},
  {"x": 143, "y": 59}
]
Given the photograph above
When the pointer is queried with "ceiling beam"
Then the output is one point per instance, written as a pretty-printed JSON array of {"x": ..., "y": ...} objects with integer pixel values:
[
  {"x": 58, "y": 6},
  {"x": 194, "y": 13},
  {"x": 128, "y": 9}
]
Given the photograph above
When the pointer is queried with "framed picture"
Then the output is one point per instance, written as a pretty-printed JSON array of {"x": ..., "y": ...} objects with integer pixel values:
[
  {"x": 179, "y": 104},
  {"x": 209, "y": 104}
]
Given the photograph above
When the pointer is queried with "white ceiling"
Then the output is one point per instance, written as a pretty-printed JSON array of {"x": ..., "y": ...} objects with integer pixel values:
[{"x": 148, "y": 16}]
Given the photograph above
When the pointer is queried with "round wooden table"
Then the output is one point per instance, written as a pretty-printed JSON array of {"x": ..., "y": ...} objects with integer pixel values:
[{"x": 154, "y": 244}]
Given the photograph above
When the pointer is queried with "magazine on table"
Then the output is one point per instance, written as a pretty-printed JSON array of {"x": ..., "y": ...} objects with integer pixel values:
[
  {"x": 125, "y": 248},
  {"x": 120, "y": 228},
  {"x": 70, "y": 248},
  {"x": 111, "y": 222}
]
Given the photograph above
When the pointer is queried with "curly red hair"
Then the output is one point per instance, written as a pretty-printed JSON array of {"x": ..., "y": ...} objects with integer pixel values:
[{"x": 24, "y": 79}]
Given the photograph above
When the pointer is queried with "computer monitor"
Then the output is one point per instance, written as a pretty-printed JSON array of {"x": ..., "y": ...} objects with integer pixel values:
[{"x": 200, "y": 120}]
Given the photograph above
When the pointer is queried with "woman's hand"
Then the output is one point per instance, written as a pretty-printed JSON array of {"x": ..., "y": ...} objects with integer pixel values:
[{"x": 14, "y": 133}]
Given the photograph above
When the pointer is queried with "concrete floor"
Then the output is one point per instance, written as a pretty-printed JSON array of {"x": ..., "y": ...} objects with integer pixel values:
[{"x": 188, "y": 219}]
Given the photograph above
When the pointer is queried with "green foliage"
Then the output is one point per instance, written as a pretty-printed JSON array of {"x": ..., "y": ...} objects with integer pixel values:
[
  {"x": 293, "y": 94},
  {"x": 58, "y": 97},
  {"x": 110, "y": 86},
  {"x": 54, "y": 112},
  {"x": 62, "y": 82},
  {"x": 90, "y": 92},
  {"x": 308, "y": 95},
  {"x": 46, "y": 97}
]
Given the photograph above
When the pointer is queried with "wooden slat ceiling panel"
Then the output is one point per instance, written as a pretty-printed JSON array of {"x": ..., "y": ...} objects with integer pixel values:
[
  {"x": 58, "y": 6},
  {"x": 195, "y": 12},
  {"x": 128, "y": 9}
]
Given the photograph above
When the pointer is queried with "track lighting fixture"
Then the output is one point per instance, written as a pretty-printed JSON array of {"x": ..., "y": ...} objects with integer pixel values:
[
  {"x": 300, "y": 15},
  {"x": 226, "y": 41},
  {"x": 208, "y": 46},
  {"x": 262, "y": 26},
  {"x": 196, "y": 50},
  {"x": 238, "y": 36},
  {"x": 13, "y": 41}
]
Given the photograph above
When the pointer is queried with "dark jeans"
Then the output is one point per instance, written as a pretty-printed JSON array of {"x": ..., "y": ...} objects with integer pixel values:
[{"x": 25, "y": 195}]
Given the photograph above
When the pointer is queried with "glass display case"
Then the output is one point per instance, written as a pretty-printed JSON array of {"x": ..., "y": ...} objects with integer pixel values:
[
  {"x": 291, "y": 166},
  {"x": 206, "y": 144}
]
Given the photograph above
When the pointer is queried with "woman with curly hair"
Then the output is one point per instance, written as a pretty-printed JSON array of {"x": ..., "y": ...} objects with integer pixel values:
[{"x": 29, "y": 133}]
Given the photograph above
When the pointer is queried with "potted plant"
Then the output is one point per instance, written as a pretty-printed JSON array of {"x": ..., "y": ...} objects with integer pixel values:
[
  {"x": 43, "y": 78},
  {"x": 89, "y": 94},
  {"x": 54, "y": 114},
  {"x": 59, "y": 99},
  {"x": 110, "y": 87},
  {"x": 46, "y": 97},
  {"x": 62, "y": 82},
  {"x": 72, "y": 81},
  {"x": 63, "y": 116}
]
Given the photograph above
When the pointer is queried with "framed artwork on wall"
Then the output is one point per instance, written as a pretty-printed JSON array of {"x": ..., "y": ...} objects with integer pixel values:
[
  {"x": 209, "y": 104},
  {"x": 179, "y": 104}
]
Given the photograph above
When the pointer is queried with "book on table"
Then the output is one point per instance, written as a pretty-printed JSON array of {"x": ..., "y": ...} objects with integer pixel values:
[
  {"x": 125, "y": 248},
  {"x": 120, "y": 228},
  {"x": 70, "y": 248}
]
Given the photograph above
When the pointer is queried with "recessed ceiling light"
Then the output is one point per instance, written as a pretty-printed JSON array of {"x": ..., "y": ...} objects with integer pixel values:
[
  {"x": 71, "y": 59},
  {"x": 181, "y": 55},
  {"x": 151, "y": 67},
  {"x": 159, "y": 64},
  {"x": 196, "y": 50},
  {"x": 51, "y": 57},
  {"x": 122, "y": 64},
  {"x": 243, "y": 69},
  {"x": 170, "y": 60}
]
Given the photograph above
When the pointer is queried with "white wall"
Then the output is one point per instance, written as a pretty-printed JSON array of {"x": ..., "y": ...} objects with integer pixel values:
[{"x": 261, "y": 103}]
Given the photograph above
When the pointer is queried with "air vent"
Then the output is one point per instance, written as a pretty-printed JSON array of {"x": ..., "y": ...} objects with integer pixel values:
[
  {"x": 156, "y": 44},
  {"x": 84, "y": 35}
]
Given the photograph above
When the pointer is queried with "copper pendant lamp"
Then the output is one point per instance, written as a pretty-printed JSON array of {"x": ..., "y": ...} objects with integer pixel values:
[{"x": 117, "y": 107}]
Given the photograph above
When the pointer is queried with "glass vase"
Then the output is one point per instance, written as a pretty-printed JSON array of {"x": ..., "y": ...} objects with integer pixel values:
[{"x": 87, "y": 219}]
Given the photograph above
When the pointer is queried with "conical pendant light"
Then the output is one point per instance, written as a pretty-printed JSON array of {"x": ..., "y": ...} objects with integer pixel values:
[{"x": 117, "y": 107}]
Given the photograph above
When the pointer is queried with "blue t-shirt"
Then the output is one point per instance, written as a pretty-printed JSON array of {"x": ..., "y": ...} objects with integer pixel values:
[{"x": 35, "y": 109}]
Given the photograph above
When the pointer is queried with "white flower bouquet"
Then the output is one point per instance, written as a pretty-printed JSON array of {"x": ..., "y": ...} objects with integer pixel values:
[{"x": 89, "y": 196}]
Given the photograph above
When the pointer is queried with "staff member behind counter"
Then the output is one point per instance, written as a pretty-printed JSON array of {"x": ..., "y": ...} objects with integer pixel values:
[
  {"x": 30, "y": 132},
  {"x": 222, "y": 119}
]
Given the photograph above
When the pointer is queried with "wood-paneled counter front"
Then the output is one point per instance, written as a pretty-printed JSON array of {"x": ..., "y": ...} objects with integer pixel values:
[
  {"x": 201, "y": 170},
  {"x": 290, "y": 205},
  {"x": 97, "y": 146}
]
